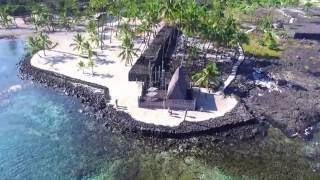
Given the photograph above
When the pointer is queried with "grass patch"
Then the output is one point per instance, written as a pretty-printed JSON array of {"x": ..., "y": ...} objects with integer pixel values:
[
  {"x": 254, "y": 48},
  {"x": 315, "y": 3}
]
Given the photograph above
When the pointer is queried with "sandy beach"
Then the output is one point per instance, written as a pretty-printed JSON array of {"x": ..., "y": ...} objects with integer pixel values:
[{"x": 111, "y": 72}]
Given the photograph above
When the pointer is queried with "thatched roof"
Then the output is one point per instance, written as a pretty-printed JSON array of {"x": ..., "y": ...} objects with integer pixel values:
[
  {"x": 178, "y": 85},
  {"x": 153, "y": 54}
]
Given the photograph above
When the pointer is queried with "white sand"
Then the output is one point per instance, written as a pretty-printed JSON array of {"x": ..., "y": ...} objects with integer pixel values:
[
  {"x": 112, "y": 73},
  {"x": 17, "y": 29}
]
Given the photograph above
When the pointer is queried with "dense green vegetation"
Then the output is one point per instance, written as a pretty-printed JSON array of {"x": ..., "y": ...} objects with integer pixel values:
[
  {"x": 208, "y": 77},
  {"x": 40, "y": 42},
  {"x": 257, "y": 49},
  {"x": 212, "y": 21}
]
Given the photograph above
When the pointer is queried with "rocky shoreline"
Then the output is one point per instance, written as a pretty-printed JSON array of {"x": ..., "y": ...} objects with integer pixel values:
[
  {"x": 282, "y": 92},
  {"x": 95, "y": 98},
  {"x": 290, "y": 105}
]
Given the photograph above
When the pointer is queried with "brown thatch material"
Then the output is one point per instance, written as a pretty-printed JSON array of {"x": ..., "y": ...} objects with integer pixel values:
[
  {"x": 154, "y": 54},
  {"x": 178, "y": 85}
]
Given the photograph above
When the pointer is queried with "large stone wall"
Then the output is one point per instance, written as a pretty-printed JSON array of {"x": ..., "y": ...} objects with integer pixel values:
[
  {"x": 95, "y": 97},
  {"x": 160, "y": 48}
]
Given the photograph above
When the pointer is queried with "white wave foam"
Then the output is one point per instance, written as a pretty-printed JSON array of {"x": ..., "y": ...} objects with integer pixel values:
[{"x": 11, "y": 89}]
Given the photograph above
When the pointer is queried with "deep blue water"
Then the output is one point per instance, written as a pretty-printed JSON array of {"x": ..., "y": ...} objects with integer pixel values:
[{"x": 43, "y": 136}]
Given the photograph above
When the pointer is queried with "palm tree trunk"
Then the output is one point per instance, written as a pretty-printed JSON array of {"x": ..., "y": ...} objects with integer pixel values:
[
  {"x": 101, "y": 38},
  {"x": 146, "y": 44},
  {"x": 118, "y": 17},
  {"x": 44, "y": 50}
]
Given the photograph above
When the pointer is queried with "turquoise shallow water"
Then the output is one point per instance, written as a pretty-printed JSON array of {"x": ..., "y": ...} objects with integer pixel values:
[{"x": 43, "y": 136}]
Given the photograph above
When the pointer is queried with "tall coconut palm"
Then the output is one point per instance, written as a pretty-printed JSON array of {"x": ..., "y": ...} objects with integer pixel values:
[
  {"x": 35, "y": 20},
  {"x": 168, "y": 10},
  {"x": 144, "y": 28},
  {"x": 78, "y": 43},
  {"x": 127, "y": 51},
  {"x": 99, "y": 6},
  {"x": 65, "y": 21},
  {"x": 111, "y": 12},
  {"x": 94, "y": 38},
  {"x": 131, "y": 11},
  {"x": 151, "y": 17},
  {"x": 92, "y": 30},
  {"x": 124, "y": 30},
  {"x": 207, "y": 77},
  {"x": 40, "y": 16},
  {"x": 69, "y": 13},
  {"x": 46, "y": 18},
  {"x": 45, "y": 42},
  {"x": 119, "y": 9}
]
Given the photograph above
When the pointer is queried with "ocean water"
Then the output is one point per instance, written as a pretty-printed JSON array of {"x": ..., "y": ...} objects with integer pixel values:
[{"x": 43, "y": 136}]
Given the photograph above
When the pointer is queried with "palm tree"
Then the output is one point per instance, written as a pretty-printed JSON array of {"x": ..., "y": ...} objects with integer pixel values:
[
  {"x": 132, "y": 11},
  {"x": 145, "y": 29},
  {"x": 151, "y": 14},
  {"x": 125, "y": 31},
  {"x": 86, "y": 47},
  {"x": 35, "y": 20},
  {"x": 4, "y": 16},
  {"x": 65, "y": 21},
  {"x": 91, "y": 62},
  {"x": 94, "y": 38},
  {"x": 46, "y": 18},
  {"x": 78, "y": 43},
  {"x": 44, "y": 42},
  {"x": 81, "y": 65},
  {"x": 308, "y": 5},
  {"x": 128, "y": 51},
  {"x": 92, "y": 30},
  {"x": 68, "y": 9},
  {"x": 33, "y": 45},
  {"x": 207, "y": 77},
  {"x": 168, "y": 11},
  {"x": 40, "y": 16}
]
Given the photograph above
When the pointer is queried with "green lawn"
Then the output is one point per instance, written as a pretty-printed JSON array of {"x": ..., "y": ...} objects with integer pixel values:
[
  {"x": 314, "y": 2},
  {"x": 254, "y": 48}
]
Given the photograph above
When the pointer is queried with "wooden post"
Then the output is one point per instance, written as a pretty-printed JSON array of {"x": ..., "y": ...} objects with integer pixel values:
[
  {"x": 163, "y": 76},
  {"x": 185, "y": 115},
  {"x": 159, "y": 75},
  {"x": 116, "y": 103},
  {"x": 150, "y": 74},
  {"x": 155, "y": 75}
]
